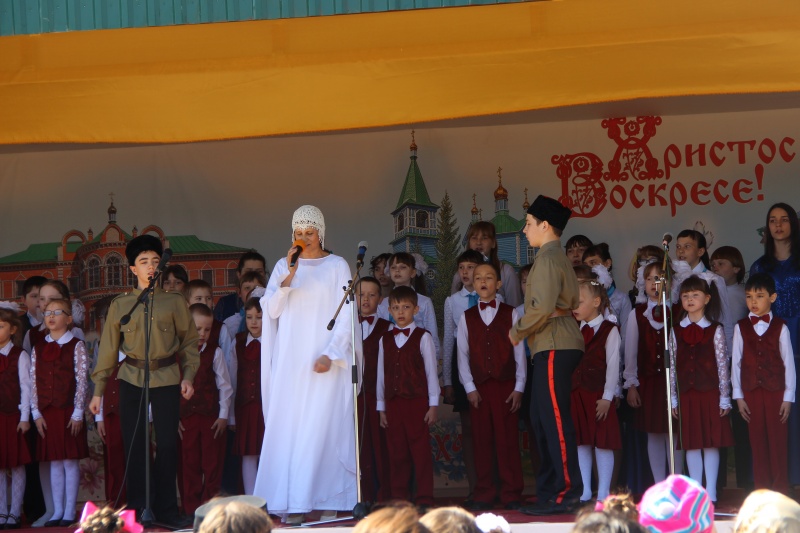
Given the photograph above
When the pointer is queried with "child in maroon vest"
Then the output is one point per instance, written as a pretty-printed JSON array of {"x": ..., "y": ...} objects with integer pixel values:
[
  {"x": 701, "y": 381},
  {"x": 375, "y": 486},
  {"x": 248, "y": 419},
  {"x": 594, "y": 383},
  {"x": 644, "y": 372},
  {"x": 764, "y": 382},
  {"x": 204, "y": 418},
  {"x": 493, "y": 373},
  {"x": 407, "y": 392},
  {"x": 60, "y": 367},
  {"x": 110, "y": 432},
  {"x": 15, "y": 407}
]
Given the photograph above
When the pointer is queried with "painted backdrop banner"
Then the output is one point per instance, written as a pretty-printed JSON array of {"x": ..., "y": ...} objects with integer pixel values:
[{"x": 627, "y": 179}]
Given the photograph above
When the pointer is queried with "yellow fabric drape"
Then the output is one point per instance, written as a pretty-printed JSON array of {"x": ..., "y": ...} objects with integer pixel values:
[{"x": 247, "y": 79}]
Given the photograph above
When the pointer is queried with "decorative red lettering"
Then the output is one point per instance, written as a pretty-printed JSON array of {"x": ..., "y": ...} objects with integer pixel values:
[
  {"x": 718, "y": 196},
  {"x": 673, "y": 162},
  {"x": 677, "y": 196},
  {"x": 618, "y": 196},
  {"x": 766, "y": 157},
  {"x": 635, "y": 200},
  {"x": 700, "y": 191},
  {"x": 740, "y": 189},
  {"x": 784, "y": 152},
  {"x": 715, "y": 157},
  {"x": 741, "y": 145},
  {"x": 654, "y": 193},
  {"x": 701, "y": 155}
]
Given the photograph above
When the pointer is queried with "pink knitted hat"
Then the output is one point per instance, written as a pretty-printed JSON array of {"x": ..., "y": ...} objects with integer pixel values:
[{"x": 677, "y": 505}]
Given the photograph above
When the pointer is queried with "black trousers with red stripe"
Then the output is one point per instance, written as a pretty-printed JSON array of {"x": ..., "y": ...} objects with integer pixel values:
[{"x": 559, "y": 480}]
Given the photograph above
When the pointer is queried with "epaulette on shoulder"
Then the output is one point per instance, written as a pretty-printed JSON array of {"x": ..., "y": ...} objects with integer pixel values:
[{"x": 120, "y": 296}]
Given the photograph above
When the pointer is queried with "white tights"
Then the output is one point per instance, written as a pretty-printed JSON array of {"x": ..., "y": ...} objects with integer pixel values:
[
  {"x": 64, "y": 478},
  {"x": 605, "y": 467},
  {"x": 657, "y": 451},
  {"x": 696, "y": 460},
  {"x": 17, "y": 492},
  {"x": 249, "y": 471},
  {"x": 47, "y": 494}
]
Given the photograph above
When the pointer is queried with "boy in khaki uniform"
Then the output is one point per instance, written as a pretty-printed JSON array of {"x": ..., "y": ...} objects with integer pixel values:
[
  {"x": 173, "y": 353},
  {"x": 551, "y": 292}
]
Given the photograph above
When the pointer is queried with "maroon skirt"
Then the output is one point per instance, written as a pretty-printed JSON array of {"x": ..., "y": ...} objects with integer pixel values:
[
  {"x": 652, "y": 416},
  {"x": 249, "y": 433},
  {"x": 14, "y": 450},
  {"x": 589, "y": 431},
  {"x": 701, "y": 425},
  {"x": 58, "y": 443}
]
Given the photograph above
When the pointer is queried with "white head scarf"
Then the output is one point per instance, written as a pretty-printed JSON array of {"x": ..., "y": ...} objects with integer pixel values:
[{"x": 308, "y": 216}]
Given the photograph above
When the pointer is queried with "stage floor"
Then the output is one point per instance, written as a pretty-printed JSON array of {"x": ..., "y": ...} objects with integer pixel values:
[{"x": 520, "y": 523}]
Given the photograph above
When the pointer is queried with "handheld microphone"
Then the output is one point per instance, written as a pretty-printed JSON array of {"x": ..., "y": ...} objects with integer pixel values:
[
  {"x": 299, "y": 245},
  {"x": 362, "y": 250},
  {"x": 666, "y": 239}
]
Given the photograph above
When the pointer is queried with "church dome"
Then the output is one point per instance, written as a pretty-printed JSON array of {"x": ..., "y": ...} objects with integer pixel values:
[{"x": 500, "y": 193}]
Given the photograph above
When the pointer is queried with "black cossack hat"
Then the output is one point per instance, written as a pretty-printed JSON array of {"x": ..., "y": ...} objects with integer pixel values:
[
  {"x": 142, "y": 243},
  {"x": 553, "y": 211}
]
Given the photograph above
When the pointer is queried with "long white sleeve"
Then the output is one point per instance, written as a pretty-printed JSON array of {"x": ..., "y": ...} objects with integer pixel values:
[
  {"x": 233, "y": 372},
  {"x": 426, "y": 318},
  {"x": 380, "y": 386},
  {"x": 223, "y": 380},
  {"x": 24, "y": 371},
  {"x": 512, "y": 294},
  {"x": 275, "y": 297},
  {"x": 612, "y": 364},
  {"x": 448, "y": 340},
  {"x": 428, "y": 350},
  {"x": 736, "y": 364},
  {"x": 787, "y": 355},
  {"x": 631, "y": 371}
]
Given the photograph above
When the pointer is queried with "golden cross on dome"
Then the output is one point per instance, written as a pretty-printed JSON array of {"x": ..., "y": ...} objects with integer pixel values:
[
  {"x": 526, "y": 194},
  {"x": 111, "y": 195},
  {"x": 499, "y": 175}
]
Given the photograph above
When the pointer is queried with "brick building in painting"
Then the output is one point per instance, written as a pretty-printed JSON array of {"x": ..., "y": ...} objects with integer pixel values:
[{"x": 95, "y": 269}]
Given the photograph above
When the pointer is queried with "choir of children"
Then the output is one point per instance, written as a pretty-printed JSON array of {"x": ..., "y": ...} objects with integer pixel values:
[{"x": 584, "y": 345}]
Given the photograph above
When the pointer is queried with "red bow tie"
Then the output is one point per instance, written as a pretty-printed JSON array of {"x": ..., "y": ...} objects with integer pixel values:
[
  {"x": 692, "y": 334},
  {"x": 756, "y": 319},
  {"x": 368, "y": 319},
  {"x": 588, "y": 333},
  {"x": 50, "y": 352},
  {"x": 484, "y": 305},
  {"x": 397, "y": 331}
]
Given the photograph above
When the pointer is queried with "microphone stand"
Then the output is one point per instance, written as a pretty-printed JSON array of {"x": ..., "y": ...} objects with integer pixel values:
[
  {"x": 147, "y": 299},
  {"x": 361, "y": 508},
  {"x": 665, "y": 318}
]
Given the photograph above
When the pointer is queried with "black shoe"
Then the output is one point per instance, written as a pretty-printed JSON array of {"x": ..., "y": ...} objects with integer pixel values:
[
  {"x": 16, "y": 525},
  {"x": 175, "y": 521},
  {"x": 66, "y": 523},
  {"x": 513, "y": 506},
  {"x": 550, "y": 508},
  {"x": 480, "y": 506},
  {"x": 53, "y": 523}
]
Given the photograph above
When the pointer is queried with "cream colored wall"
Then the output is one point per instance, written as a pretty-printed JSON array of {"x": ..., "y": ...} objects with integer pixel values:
[{"x": 244, "y": 192}]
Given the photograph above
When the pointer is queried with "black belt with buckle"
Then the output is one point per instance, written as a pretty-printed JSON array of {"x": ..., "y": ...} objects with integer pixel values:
[{"x": 155, "y": 364}]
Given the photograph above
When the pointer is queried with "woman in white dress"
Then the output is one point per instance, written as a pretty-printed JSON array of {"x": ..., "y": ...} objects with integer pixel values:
[{"x": 307, "y": 459}]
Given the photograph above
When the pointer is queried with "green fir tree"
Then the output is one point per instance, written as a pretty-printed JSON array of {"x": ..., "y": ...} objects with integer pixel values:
[{"x": 447, "y": 249}]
